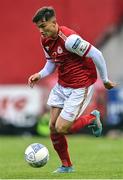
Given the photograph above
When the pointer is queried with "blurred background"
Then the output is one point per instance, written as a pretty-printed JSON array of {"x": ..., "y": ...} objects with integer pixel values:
[{"x": 24, "y": 110}]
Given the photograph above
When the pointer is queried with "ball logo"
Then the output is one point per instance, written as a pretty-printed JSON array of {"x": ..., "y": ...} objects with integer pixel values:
[
  {"x": 36, "y": 147},
  {"x": 31, "y": 156}
]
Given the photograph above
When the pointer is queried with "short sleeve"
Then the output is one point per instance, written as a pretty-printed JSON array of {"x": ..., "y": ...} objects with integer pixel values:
[{"x": 75, "y": 44}]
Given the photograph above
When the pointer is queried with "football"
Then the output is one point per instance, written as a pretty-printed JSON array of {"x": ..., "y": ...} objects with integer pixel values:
[{"x": 36, "y": 155}]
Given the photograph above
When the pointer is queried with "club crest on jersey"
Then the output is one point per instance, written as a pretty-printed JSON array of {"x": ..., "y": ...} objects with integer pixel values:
[
  {"x": 59, "y": 50},
  {"x": 54, "y": 55}
]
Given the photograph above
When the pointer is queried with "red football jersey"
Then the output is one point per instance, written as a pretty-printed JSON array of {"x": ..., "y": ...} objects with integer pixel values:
[{"x": 73, "y": 71}]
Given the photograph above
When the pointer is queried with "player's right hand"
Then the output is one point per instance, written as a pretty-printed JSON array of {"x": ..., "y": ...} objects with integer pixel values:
[
  {"x": 33, "y": 79},
  {"x": 109, "y": 85}
]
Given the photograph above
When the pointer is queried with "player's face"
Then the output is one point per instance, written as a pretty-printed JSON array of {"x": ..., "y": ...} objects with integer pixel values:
[{"x": 48, "y": 28}]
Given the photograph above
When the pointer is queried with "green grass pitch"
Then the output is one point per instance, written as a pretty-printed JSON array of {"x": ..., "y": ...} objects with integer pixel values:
[{"x": 93, "y": 158}]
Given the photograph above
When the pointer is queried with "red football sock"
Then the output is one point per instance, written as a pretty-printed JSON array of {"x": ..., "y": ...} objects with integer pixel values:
[
  {"x": 60, "y": 145},
  {"x": 81, "y": 122}
]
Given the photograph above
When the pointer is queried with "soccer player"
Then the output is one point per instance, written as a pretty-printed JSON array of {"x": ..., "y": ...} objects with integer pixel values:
[{"x": 76, "y": 61}]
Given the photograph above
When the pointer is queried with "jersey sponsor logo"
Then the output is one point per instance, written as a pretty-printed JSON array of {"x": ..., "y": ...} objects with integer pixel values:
[{"x": 77, "y": 43}]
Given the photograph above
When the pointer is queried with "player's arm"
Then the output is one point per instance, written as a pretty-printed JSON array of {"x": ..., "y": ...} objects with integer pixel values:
[
  {"x": 77, "y": 45},
  {"x": 99, "y": 61},
  {"x": 48, "y": 69}
]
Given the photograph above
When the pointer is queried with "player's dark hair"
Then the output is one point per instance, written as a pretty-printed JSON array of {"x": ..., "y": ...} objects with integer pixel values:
[{"x": 44, "y": 13}]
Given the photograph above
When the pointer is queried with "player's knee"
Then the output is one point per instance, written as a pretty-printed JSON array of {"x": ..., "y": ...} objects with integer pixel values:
[{"x": 61, "y": 129}]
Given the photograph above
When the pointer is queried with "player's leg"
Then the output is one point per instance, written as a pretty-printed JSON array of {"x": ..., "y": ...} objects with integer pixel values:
[
  {"x": 92, "y": 120},
  {"x": 65, "y": 126},
  {"x": 56, "y": 102},
  {"x": 76, "y": 104},
  {"x": 54, "y": 114},
  {"x": 59, "y": 143}
]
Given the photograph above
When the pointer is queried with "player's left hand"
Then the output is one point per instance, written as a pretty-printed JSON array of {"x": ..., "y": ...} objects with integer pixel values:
[{"x": 109, "y": 84}]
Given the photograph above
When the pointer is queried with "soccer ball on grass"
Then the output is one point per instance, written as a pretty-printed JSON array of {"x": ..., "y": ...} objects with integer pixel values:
[{"x": 36, "y": 155}]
